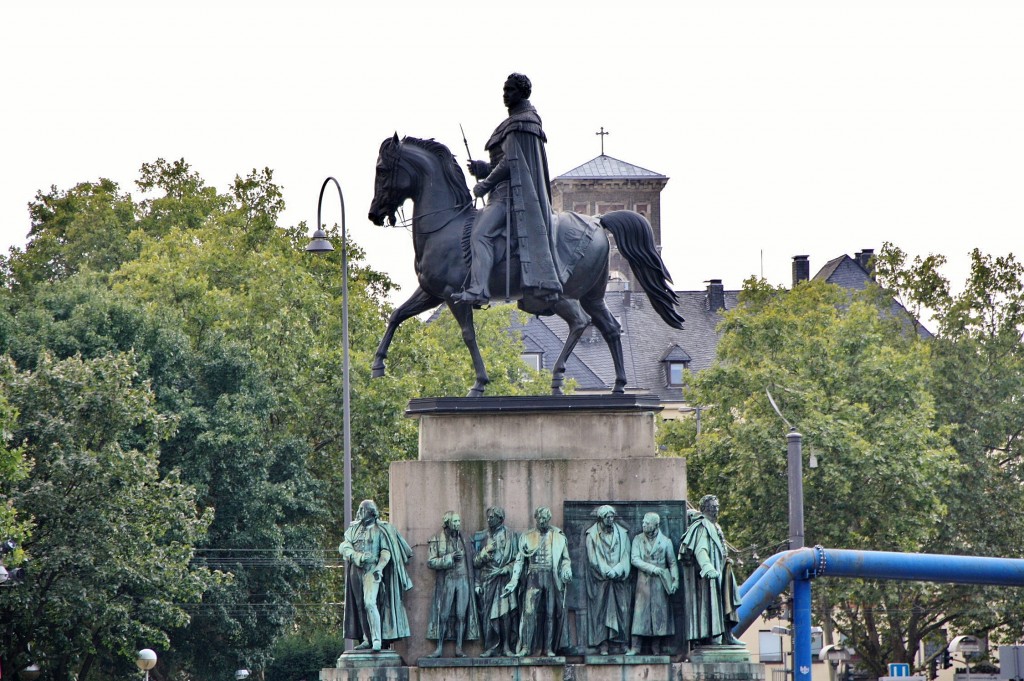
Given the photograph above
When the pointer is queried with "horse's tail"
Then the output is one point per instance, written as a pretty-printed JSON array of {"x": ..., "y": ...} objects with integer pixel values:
[{"x": 635, "y": 240}]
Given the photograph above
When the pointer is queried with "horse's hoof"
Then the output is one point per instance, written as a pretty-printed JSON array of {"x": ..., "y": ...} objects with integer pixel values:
[
  {"x": 556, "y": 390},
  {"x": 377, "y": 372},
  {"x": 618, "y": 389},
  {"x": 474, "y": 392}
]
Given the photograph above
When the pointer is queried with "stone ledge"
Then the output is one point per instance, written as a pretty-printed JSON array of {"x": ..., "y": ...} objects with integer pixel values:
[
  {"x": 532, "y": 404},
  {"x": 542, "y": 669}
]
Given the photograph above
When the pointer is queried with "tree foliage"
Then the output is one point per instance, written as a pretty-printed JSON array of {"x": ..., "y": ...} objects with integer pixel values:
[
  {"x": 845, "y": 373},
  {"x": 236, "y": 332},
  {"x": 979, "y": 365},
  {"x": 111, "y": 544}
]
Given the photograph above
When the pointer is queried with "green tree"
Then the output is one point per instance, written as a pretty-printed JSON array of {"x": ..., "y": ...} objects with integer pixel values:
[
  {"x": 846, "y": 373},
  {"x": 86, "y": 227},
  {"x": 14, "y": 468},
  {"x": 979, "y": 361},
  {"x": 112, "y": 540},
  {"x": 239, "y": 333}
]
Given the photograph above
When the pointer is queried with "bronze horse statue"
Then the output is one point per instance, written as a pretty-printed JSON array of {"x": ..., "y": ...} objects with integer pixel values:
[{"x": 426, "y": 172}]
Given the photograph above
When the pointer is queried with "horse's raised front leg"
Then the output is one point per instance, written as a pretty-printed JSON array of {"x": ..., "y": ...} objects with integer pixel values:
[
  {"x": 573, "y": 314},
  {"x": 419, "y": 301},
  {"x": 612, "y": 333},
  {"x": 464, "y": 316}
]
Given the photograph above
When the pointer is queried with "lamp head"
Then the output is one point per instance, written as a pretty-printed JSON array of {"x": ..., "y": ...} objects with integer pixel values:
[
  {"x": 146, "y": 659},
  {"x": 319, "y": 243}
]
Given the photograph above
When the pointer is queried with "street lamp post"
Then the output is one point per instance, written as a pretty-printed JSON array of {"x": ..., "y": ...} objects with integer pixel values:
[
  {"x": 801, "y": 639},
  {"x": 320, "y": 244}
]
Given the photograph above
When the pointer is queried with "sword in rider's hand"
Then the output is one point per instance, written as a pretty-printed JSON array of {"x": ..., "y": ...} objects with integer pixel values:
[{"x": 469, "y": 154}]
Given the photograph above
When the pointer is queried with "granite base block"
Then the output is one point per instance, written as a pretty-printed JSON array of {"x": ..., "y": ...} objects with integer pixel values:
[
  {"x": 550, "y": 669},
  {"x": 455, "y": 662},
  {"x": 627, "y": 659},
  {"x": 719, "y": 671},
  {"x": 719, "y": 654}
]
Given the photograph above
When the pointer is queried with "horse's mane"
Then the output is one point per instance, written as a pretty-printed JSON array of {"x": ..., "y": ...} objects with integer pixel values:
[{"x": 453, "y": 175}]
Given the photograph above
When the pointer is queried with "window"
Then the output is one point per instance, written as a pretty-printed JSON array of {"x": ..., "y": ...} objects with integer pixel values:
[
  {"x": 676, "y": 362},
  {"x": 676, "y": 371},
  {"x": 603, "y": 208},
  {"x": 581, "y": 208},
  {"x": 533, "y": 360},
  {"x": 817, "y": 639},
  {"x": 769, "y": 646}
]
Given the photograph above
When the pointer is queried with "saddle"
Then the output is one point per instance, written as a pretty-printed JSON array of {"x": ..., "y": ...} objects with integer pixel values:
[{"x": 571, "y": 236}]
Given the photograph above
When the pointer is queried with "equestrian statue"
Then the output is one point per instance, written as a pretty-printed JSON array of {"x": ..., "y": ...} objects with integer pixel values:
[{"x": 551, "y": 264}]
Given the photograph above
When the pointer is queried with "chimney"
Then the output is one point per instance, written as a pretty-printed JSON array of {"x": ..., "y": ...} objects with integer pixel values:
[
  {"x": 801, "y": 269},
  {"x": 864, "y": 260},
  {"x": 716, "y": 295}
]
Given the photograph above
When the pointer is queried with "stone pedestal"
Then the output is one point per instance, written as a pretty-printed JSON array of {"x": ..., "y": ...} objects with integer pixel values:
[
  {"x": 719, "y": 653},
  {"x": 720, "y": 671},
  {"x": 520, "y": 453},
  {"x": 354, "y": 665},
  {"x": 536, "y": 669}
]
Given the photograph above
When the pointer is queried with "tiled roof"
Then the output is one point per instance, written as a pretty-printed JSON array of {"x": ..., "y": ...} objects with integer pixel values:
[
  {"x": 605, "y": 167},
  {"x": 646, "y": 339},
  {"x": 847, "y": 272},
  {"x": 647, "y": 342}
]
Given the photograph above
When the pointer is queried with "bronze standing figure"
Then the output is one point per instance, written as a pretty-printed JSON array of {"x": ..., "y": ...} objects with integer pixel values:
[
  {"x": 609, "y": 591},
  {"x": 452, "y": 614},
  {"x": 657, "y": 578},
  {"x": 375, "y": 557},
  {"x": 494, "y": 564},
  {"x": 712, "y": 594},
  {"x": 543, "y": 561}
]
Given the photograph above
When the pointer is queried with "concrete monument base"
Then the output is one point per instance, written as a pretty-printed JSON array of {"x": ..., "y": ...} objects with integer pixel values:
[
  {"x": 362, "y": 665},
  {"x": 720, "y": 671},
  {"x": 719, "y": 653},
  {"x": 640, "y": 668}
]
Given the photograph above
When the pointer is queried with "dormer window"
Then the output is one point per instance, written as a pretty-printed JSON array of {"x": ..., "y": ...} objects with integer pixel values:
[
  {"x": 675, "y": 361},
  {"x": 534, "y": 360}
]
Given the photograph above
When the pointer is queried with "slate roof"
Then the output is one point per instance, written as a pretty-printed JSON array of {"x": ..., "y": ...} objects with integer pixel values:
[
  {"x": 607, "y": 168},
  {"x": 848, "y": 273},
  {"x": 646, "y": 341}
]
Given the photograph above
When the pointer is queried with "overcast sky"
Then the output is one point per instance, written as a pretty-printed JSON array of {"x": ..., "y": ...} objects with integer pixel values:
[{"x": 803, "y": 127}]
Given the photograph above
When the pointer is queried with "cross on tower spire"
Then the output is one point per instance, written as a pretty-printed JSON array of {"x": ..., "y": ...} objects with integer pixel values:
[{"x": 602, "y": 133}]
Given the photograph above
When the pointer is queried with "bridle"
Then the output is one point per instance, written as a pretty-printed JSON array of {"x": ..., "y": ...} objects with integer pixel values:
[{"x": 389, "y": 197}]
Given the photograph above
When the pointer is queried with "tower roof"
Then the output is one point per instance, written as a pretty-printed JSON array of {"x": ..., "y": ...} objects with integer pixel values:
[{"x": 605, "y": 167}]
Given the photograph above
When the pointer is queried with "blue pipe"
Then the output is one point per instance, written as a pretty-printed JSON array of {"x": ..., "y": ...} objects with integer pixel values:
[
  {"x": 801, "y": 565},
  {"x": 756, "y": 574},
  {"x": 761, "y": 590},
  {"x": 802, "y": 630}
]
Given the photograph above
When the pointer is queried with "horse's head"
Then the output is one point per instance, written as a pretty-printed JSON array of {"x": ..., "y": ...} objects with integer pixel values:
[{"x": 388, "y": 192}]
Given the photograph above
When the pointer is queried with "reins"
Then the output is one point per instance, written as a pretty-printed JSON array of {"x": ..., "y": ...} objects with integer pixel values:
[{"x": 393, "y": 181}]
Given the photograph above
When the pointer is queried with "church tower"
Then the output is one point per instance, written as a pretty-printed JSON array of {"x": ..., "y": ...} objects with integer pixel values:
[{"x": 604, "y": 184}]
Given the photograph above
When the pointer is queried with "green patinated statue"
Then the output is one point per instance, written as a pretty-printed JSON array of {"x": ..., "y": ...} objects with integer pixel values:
[
  {"x": 375, "y": 578},
  {"x": 453, "y": 614},
  {"x": 657, "y": 578},
  {"x": 543, "y": 561},
  {"x": 609, "y": 590},
  {"x": 494, "y": 562},
  {"x": 712, "y": 595}
]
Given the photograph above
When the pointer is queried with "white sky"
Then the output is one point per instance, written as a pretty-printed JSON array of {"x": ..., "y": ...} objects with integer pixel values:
[{"x": 802, "y": 127}]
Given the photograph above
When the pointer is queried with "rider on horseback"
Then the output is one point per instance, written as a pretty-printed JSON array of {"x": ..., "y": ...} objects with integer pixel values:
[{"x": 520, "y": 201}]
